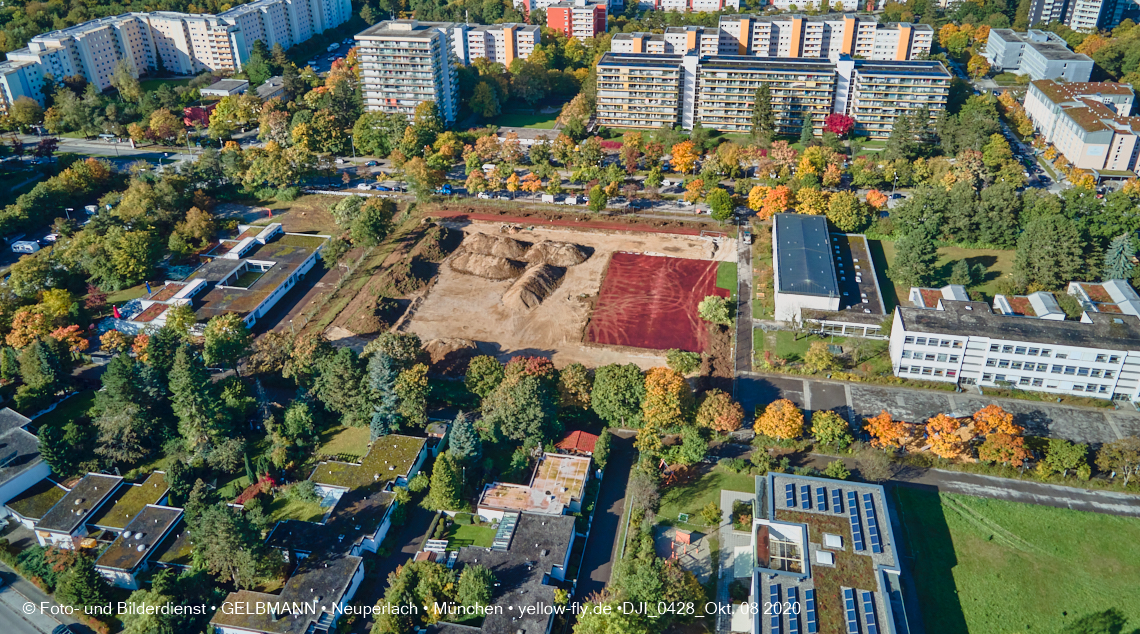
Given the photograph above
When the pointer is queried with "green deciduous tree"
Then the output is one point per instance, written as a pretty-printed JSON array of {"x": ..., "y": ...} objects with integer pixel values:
[
  {"x": 227, "y": 340},
  {"x": 720, "y": 204},
  {"x": 715, "y": 309},
  {"x": 1050, "y": 253},
  {"x": 1120, "y": 457},
  {"x": 618, "y": 394},
  {"x": 412, "y": 389},
  {"x": 830, "y": 428},
  {"x": 484, "y": 373},
  {"x": 476, "y": 584}
]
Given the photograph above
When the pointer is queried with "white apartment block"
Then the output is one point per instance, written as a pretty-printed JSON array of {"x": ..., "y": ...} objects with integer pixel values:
[
  {"x": 643, "y": 90},
  {"x": 968, "y": 343},
  {"x": 859, "y": 35},
  {"x": 503, "y": 43},
  {"x": 183, "y": 43},
  {"x": 404, "y": 63},
  {"x": 677, "y": 40},
  {"x": 695, "y": 5},
  {"x": 1088, "y": 123}
]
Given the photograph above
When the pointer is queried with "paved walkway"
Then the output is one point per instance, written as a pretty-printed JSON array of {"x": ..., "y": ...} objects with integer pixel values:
[
  {"x": 743, "y": 308},
  {"x": 602, "y": 544},
  {"x": 728, "y": 543}
]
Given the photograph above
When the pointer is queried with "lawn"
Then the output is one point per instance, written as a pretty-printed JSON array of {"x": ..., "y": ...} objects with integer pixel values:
[
  {"x": 726, "y": 277},
  {"x": 1016, "y": 567},
  {"x": 282, "y": 508},
  {"x": 520, "y": 120},
  {"x": 692, "y": 497},
  {"x": 783, "y": 343},
  {"x": 127, "y": 294},
  {"x": 469, "y": 535},
  {"x": 69, "y": 410},
  {"x": 998, "y": 263},
  {"x": 345, "y": 442},
  {"x": 154, "y": 84}
]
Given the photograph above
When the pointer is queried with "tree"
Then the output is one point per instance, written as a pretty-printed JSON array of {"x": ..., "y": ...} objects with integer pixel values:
[
  {"x": 876, "y": 199},
  {"x": 977, "y": 67},
  {"x": 846, "y": 212},
  {"x": 476, "y": 584},
  {"x": 423, "y": 181},
  {"x": 811, "y": 201},
  {"x": 523, "y": 408},
  {"x": 682, "y": 361},
  {"x": 915, "y": 259},
  {"x": 711, "y": 514},
  {"x": 80, "y": 585},
  {"x": 412, "y": 388},
  {"x": 26, "y": 112},
  {"x": 807, "y": 131},
  {"x": 338, "y": 385},
  {"x": 961, "y": 273},
  {"x": 446, "y": 485},
  {"x": 763, "y": 118},
  {"x": 874, "y": 465},
  {"x": 668, "y": 401},
  {"x": 484, "y": 101},
  {"x": 574, "y": 385},
  {"x": 830, "y": 428},
  {"x": 465, "y": 444},
  {"x": 194, "y": 400},
  {"x": 818, "y": 358},
  {"x": 229, "y": 546},
  {"x": 886, "y": 432},
  {"x": 720, "y": 202},
  {"x": 837, "y": 470},
  {"x": 685, "y": 157},
  {"x": 484, "y": 374},
  {"x": 383, "y": 375},
  {"x": 993, "y": 419},
  {"x": 715, "y": 309},
  {"x": 1120, "y": 457},
  {"x": 1004, "y": 448},
  {"x": 1062, "y": 456},
  {"x": 719, "y": 412},
  {"x": 1118, "y": 258},
  {"x": 945, "y": 435},
  {"x": 1049, "y": 253},
  {"x": 598, "y": 199},
  {"x": 781, "y": 419},
  {"x": 227, "y": 340},
  {"x": 839, "y": 124},
  {"x": 617, "y": 395}
]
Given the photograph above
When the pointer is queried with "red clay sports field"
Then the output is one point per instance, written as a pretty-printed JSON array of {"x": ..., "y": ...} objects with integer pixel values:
[{"x": 649, "y": 301}]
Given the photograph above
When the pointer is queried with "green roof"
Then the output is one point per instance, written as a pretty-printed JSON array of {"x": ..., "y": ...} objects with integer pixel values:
[
  {"x": 37, "y": 501},
  {"x": 129, "y": 501},
  {"x": 388, "y": 458},
  {"x": 176, "y": 549}
]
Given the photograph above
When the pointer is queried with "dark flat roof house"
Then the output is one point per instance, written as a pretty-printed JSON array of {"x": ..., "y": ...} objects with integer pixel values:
[
  {"x": 78, "y": 505},
  {"x": 141, "y": 535}
]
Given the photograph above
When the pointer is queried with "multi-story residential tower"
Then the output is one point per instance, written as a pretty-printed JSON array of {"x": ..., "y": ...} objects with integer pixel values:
[
  {"x": 1083, "y": 15},
  {"x": 503, "y": 43},
  {"x": 404, "y": 63},
  {"x": 577, "y": 18},
  {"x": 801, "y": 89},
  {"x": 1088, "y": 123},
  {"x": 859, "y": 35},
  {"x": 881, "y": 92},
  {"x": 639, "y": 91},
  {"x": 677, "y": 40}
]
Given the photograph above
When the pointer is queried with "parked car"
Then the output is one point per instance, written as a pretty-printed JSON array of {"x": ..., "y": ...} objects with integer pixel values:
[
  {"x": 503, "y": 197},
  {"x": 341, "y": 161},
  {"x": 51, "y": 237},
  {"x": 484, "y": 196},
  {"x": 549, "y": 198},
  {"x": 363, "y": 186},
  {"x": 383, "y": 188},
  {"x": 372, "y": 163},
  {"x": 332, "y": 47},
  {"x": 444, "y": 189}
]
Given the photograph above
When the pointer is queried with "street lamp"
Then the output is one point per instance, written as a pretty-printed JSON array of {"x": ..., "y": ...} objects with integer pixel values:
[{"x": 68, "y": 211}]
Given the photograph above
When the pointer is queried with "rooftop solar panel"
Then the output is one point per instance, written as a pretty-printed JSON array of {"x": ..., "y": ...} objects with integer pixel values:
[
  {"x": 849, "y": 609},
  {"x": 872, "y": 523},
  {"x": 791, "y": 491},
  {"x": 793, "y": 616},
  {"x": 774, "y": 596},
  {"x": 837, "y": 500},
  {"x": 821, "y": 498},
  {"x": 805, "y": 497},
  {"x": 856, "y": 527},
  {"x": 809, "y": 612},
  {"x": 869, "y": 613}
]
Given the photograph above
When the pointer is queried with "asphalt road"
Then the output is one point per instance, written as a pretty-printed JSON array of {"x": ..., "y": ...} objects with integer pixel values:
[
  {"x": 11, "y": 619},
  {"x": 601, "y": 547}
]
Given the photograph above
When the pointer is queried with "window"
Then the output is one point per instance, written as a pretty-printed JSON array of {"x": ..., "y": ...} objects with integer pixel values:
[
  {"x": 1019, "y": 350},
  {"x": 1057, "y": 369},
  {"x": 993, "y": 347},
  {"x": 942, "y": 358},
  {"x": 1042, "y": 367},
  {"x": 1108, "y": 374},
  {"x": 903, "y": 369},
  {"x": 1082, "y": 372},
  {"x": 1070, "y": 370},
  {"x": 921, "y": 341},
  {"x": 1114, "y": 359},
  {"x": 926, "y": 371},
  {"x": 951, "y": 373},
  {"x": 1100, "y": 358},
  {"x": 1023, "y": 381},
  {"x": 929, "y": 356},
  {"x": 957, "y": 344},
  {"x": 1033, "y": 352},
  {"x": 914, "y": 369},
  {"x": 1078, "y": 388},
  {"x": 953, "y": 358},
  {"x": 1004, "y": 363},
  {"x": 937, "y": 372},
  {"x": 1046, "y": 352},
  {"x": 945, "y": 343},
  {"x": 999, "y": 377},
  {"x": 1007, "y": 349},
  {"x": 906, "y": 354},
  {"x": 1103, "y": 389},
  {"x": 990, "y": 363},
  {"x": 1016, "y": 365},
  {"x": 1037, "y": 382},
  {"x": 1062, "y": 355}
]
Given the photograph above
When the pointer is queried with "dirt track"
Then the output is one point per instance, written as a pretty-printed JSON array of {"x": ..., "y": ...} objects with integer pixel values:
[{"x": 470, "y": 307}]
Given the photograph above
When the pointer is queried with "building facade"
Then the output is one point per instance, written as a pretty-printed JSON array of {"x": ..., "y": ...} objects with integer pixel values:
[
  {"x": 503, "y": 43},
  {"x": 180, "y": 43},
  {"x": 577, "y": 18},
  {"x": 1083, "y": 15},
  {"x": 1039, "y": 54},
  {"x": 859, "y": 35},
  {"x": 404, "y": 63},
  {"x": 643, "y": 90},
  {"x": 1088, "y": 123}
]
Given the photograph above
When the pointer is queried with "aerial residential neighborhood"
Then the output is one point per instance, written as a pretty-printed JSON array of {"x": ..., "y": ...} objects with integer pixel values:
[{"x": 570, "y": 317}]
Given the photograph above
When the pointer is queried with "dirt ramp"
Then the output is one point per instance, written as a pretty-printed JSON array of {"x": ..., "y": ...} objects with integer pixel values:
[
  {"x": 533, "y": 287},
  {"x": 500, "y": 246},
  {"x": 491, "y": 267},
  {"x": 556, "y": 253}
]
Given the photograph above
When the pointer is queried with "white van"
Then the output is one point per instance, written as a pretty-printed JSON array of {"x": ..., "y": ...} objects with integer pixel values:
[
  {"x": 549, "y": 198},
  {"x": 25, "y": 246},
  {"x": 487, "y": 167}
]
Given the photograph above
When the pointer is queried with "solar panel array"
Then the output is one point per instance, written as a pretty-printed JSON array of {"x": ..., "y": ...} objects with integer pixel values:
[
  {"x": 805, "y": 497},
  {"x": 856, "y": 527},
  {"x": 869, "y": 613},
  {"x": 849, "y": 609},
  {"x": 809, "y": 611},
  {"x": 774, "y": 596},
  {"x": 791, "y": 491},
  {"x": 794, "y": 616},
  {"x": 837, "y": 500},
  {"x": 872, "y": 523},
  {"x": 821, "y": 498}
]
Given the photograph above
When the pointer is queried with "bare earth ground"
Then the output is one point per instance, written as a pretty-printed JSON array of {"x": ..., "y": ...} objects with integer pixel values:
[{"x": 466, "y": 306}]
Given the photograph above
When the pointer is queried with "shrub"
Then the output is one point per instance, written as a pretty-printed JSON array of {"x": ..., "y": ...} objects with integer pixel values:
[
  {"x": 711, "y": 514},
  {"x": 303, "y": 491},
  {"x": 716, "y": 309},
  {"x": 837, "y": 470},
  {"x": 682, "y": 361}
]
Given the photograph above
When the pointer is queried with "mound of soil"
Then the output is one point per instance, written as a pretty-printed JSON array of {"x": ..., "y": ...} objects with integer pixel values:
[
  {"x": 437, "y": 243},
  {"x": 450, "y": 356},
  {"x": 555, "y": 253},
  {"x": 491, "y": 267},
  {"x": 534, "y": 286},
  {"x": 500, "y": 246}
]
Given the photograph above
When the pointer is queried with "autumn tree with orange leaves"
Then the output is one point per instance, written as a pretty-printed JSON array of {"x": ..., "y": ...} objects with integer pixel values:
[
  {"x": 992, "y": 419},
  {"x": 719, "y": 412},
  {"x": 886, "y": 432},
  {"x": 667, "y": 404},
  {"x": 781, "y": 419},
  {"x": 1004, "y": 448},
  {"x": 876, "y": 199},
  {"x": 685, "y": 157},
  {"x": 944, "y": 435}
]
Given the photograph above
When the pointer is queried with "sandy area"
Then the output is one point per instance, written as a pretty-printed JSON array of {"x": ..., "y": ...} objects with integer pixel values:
[{"x": 470, "y": 307}]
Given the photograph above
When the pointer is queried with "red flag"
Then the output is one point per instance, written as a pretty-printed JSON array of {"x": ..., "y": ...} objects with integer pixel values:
[{"x": 115, "y": 310}]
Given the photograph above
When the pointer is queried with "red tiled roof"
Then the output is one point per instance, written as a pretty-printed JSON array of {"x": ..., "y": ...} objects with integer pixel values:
[{"x": 578, "y": 441}]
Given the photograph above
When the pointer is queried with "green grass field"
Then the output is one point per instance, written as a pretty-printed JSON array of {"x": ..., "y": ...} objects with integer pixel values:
[
  {"x": 519, "y": 120},
  {"x": 154, "y": 84},
  {"x": 470, "y": 535},
  {"x": 998, "y": 263},
  {"x": 346, "y": 442},
  {"x": 726, "y": 277},
  {"x": 127, "y": 294},
  {"x": 68, "y": 411},
  {"x": 692, "y": 497},
  {"x": 282, "y": 508},
  {"x": 987, "y": 566}
]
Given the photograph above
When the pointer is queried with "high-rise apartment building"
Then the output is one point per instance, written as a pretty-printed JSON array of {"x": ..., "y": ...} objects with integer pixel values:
[
  {"x": 1039, "y": 54},
  {"x": 404, "y": 63},
  {"x": 695, "y": 5},
  {"x": 180, "y": 43},
  {"x": 503, "y": 43},
  {"x": 1088, "y": 123},
  {"x": 677, "y": 40},
  {"x": 645, "y": 91},
  {"x": 577, "y": 18},
  {"x": 1083, "y": 15}
]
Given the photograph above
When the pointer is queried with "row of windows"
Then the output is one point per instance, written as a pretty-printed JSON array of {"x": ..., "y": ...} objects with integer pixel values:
[
  {"x": 1045, "y": 352},
  {"x": 1026, "y": 381},
  {"x": 932, "y": 341},
  {"x": 927, "y": 371},
  {"x": 1068, "y": 370},
  {"x": 930, "y": 356}
]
